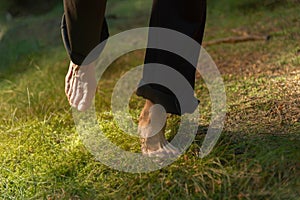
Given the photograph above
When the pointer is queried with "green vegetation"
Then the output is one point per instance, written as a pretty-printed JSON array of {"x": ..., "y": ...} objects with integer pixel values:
[{"x": 257, "y": 157}]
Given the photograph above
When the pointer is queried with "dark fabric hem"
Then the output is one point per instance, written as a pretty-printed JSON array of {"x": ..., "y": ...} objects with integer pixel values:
[
  {"x": 75, "y": 57},
  {"x": 168, "y": 101}
]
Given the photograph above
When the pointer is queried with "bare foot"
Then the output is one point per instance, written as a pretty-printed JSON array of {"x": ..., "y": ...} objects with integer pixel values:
[
  {"x": 80, "y": 85},
  {"x": 153, "y": 141}
]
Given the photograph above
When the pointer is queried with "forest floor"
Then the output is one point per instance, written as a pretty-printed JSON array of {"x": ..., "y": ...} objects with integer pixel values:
[{"x": 257, "y": 156}]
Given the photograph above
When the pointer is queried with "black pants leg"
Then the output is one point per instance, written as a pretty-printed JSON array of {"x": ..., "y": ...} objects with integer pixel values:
[
  {"x": 187, "y": 17},
  {"x": 84, "y": 27}
]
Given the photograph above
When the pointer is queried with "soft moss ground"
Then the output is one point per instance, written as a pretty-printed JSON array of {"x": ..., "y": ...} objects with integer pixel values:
[{"x": 257, "y": 157}]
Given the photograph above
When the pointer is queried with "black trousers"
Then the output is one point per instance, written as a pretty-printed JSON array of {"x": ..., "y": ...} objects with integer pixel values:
[{"x": 84, "y": 27}]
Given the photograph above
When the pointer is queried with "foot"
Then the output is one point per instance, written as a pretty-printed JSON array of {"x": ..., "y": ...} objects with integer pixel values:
[
  {"x": 152, "y": 131},
  {"x": 80, "y": 86}
]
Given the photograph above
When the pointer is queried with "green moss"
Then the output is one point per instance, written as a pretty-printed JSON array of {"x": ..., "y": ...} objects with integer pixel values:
[{"x": 257, "y": 156}]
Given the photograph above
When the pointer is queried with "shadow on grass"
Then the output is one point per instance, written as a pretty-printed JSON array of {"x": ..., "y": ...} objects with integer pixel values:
[{"x": 27, "y": 37}]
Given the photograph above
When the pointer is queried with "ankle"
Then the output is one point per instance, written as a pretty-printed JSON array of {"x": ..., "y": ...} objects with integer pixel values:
[{"x": 144, "y": 118}]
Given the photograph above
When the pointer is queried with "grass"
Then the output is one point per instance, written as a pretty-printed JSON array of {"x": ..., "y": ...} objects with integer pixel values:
[{"x": 257, "y": 157}]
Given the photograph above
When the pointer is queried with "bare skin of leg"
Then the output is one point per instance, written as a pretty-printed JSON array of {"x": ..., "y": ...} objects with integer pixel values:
[
  {"x": 80, "y": 86},
  {"x": 153, "y": 145}
]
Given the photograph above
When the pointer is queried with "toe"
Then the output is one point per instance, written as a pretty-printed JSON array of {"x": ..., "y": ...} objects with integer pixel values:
[
  {"x": 78, "y": 96},
  {"x": 68, "y": 79},
  {"x": 74, "y": 91},
  {"x": 89, "y": 91}
]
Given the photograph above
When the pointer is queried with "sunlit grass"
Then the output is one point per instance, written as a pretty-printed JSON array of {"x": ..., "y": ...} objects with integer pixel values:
[{"x": 257, "y": 156}]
